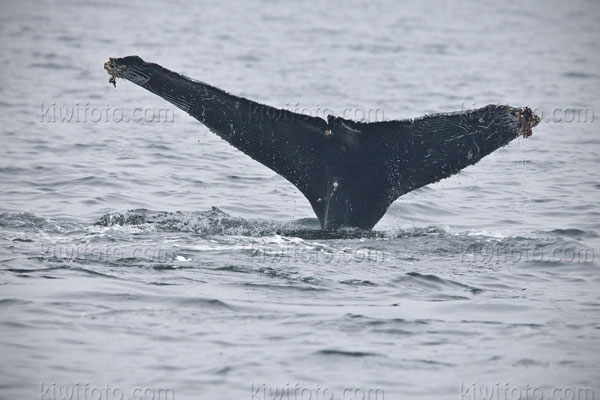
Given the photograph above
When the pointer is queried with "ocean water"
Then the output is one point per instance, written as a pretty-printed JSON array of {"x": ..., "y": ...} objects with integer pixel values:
[{"x": 153, "y": 255}]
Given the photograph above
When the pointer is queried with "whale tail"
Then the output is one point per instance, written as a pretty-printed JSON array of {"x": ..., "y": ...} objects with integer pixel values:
[{"x": 349, "y": 171}]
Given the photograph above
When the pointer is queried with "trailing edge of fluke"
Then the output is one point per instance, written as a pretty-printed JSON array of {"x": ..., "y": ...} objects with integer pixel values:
[{"x": 349, "y": 171}]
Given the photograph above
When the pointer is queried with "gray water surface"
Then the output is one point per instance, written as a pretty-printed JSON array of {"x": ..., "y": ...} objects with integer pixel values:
[{"x": 154, "y": 254}]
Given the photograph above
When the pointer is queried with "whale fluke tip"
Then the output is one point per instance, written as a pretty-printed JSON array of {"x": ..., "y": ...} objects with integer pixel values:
[
  {"x": 116, "y": 66},
  {"x": 527, "y": 120}
]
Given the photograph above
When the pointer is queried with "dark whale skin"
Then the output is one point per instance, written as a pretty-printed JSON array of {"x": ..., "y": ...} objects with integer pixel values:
[{"x": 349, "y": 171}]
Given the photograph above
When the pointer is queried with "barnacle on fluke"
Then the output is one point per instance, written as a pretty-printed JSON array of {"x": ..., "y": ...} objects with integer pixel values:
[
  {"x": 113, "y": 70},
  {"x": 527, "y": 120}
]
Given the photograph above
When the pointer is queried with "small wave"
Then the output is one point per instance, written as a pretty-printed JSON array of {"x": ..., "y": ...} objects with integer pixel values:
[
  {"x": 233, "y": 268},
  {"x": 269, "y": 272},
  {"x": 12, "y": 302},
  {"x": 23, "y": 219},
  {"x": 434, "y": 362},
  {"x": 292, "y": 287},
  {"x": 358, "y": 282},
  {"x": 24, "y": 240},
  {"x": 579, "y": 75},
  {"x": 573, "y": 233},
  {"x": 347, "y": 353},
  {"x": 120, "y": 298},
  {"x": 212, "y": 222},
  {"x": 204, "y": 302},
  {"x": 528, "y": 362},
  {"x": 431, "y": 281},
  {"x": 86, "y": 271},
  {"x": 27, "y": 221}
]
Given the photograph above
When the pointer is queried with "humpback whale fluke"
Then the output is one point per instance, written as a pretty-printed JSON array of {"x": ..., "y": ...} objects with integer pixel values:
[{"x": 349, "y": 171}]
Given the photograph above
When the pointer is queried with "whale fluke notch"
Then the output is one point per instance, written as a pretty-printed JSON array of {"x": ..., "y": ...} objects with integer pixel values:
[{"x": 349, "y": 171}]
